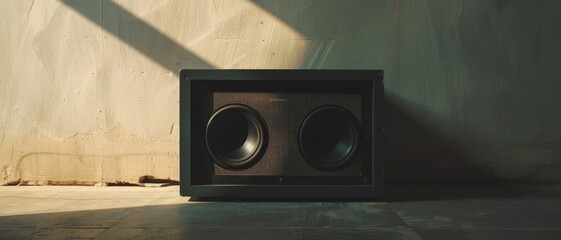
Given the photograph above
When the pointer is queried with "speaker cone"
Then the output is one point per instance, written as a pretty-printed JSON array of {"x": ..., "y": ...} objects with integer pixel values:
[
  {"x": 236, "y": 136},
  {"x": 328, "y": 137}
]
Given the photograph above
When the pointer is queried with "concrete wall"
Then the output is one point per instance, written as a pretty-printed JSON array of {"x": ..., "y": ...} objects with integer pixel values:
[{"x": 89, "y": 89}]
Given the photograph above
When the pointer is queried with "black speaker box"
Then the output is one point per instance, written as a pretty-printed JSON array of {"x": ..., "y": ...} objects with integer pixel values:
[{"x": 281, "y": 133}]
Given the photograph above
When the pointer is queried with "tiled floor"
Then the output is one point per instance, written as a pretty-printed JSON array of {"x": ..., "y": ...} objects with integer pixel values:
[{"x": 406, "y": 212}]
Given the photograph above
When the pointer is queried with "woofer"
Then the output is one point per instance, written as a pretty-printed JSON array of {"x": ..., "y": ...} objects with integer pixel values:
[
  {"x": 328, "y": 137},
  {"x": 236, "y": 136}
]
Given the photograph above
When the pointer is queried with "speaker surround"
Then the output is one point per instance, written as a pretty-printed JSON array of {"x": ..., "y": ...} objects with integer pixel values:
[
  {"x": 328, "y": 137},
  {"x": 281, "y": 133},
  {"x": 236, "y": 136}
]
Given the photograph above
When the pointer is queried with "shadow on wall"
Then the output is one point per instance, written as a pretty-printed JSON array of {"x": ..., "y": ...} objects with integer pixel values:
[
  {"x": 139, "y": 35},
  {"x": 415, "y": 150},
  {"x": 338, "y": 35}
]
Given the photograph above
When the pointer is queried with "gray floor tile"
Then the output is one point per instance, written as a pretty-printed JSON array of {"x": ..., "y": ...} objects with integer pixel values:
[
  {"x": 251, "y": 215},
  {"x": 199, "y": 233},
  {"x": 351, "y": 215},
  {"x": 489, "y": 234},
  {"x": 264, "y": 214},
  {"x": 217, "y": 214},
  {"x": 35, "y": 233},
  {"x": 258, "y": 233},
  {"x": 359, "y": 234},
  {"x": 482, "y": 213},
  {"x": 13, "y": 205},
  {"x": 71, "y": 219}
]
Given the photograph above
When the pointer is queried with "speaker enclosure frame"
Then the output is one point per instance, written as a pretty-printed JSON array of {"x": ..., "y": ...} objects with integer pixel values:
[{"x": 191, "y": 79}]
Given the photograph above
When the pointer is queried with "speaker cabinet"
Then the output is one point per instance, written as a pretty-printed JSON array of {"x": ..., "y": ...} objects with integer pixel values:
[{"x": 281, "y": 133}]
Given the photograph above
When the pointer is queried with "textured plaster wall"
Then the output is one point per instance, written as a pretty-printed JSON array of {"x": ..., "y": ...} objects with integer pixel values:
[{"x": 89, "y": 89}]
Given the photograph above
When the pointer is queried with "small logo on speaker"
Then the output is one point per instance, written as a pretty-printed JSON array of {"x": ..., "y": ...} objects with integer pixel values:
[{"x": 278, "y": 100}]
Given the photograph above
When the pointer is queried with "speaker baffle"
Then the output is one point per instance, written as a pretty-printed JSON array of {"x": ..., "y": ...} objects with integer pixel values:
[
  {"x": 236, "y": 137},
  {"x": 329, "y": 137}
]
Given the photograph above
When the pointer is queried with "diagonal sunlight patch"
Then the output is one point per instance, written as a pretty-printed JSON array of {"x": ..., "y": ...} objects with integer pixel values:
[
  {"x": 140, "y": 26},
  {"x": 26, "y": 200},
  {"x": 220, "y": 34},
  {"x": 242, "y": 34}
]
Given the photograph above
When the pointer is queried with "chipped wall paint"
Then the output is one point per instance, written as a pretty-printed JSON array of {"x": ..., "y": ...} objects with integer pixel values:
[{"x": 89, "y": 89}]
